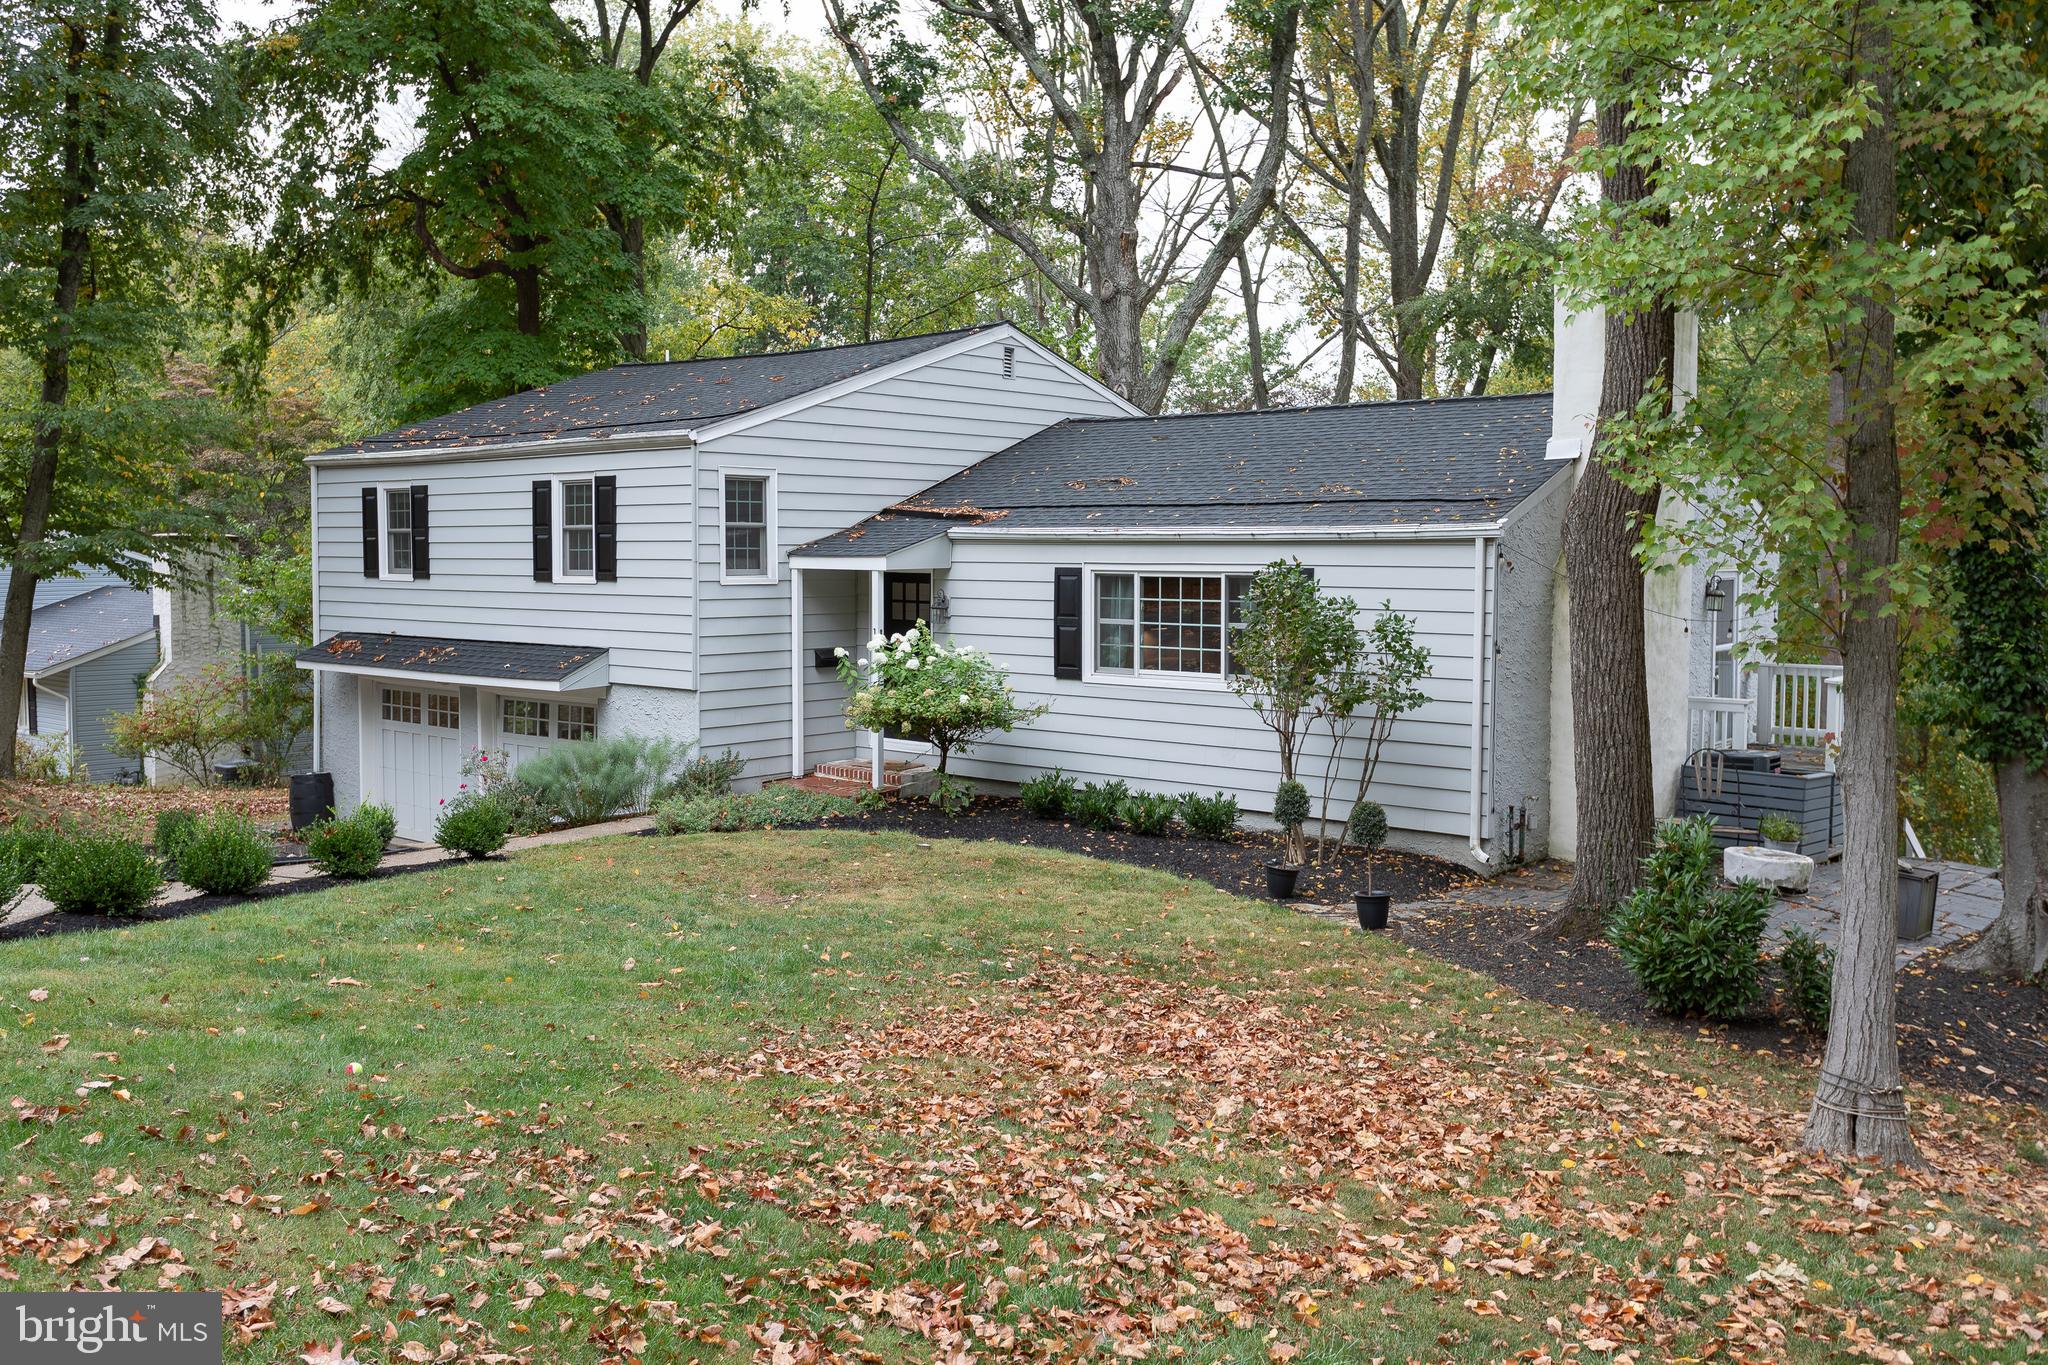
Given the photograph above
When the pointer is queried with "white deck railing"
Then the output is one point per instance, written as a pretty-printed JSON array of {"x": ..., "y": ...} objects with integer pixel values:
[
  {"x": 1719, "y": 722},
  {"x": 1798, "y": 706}
]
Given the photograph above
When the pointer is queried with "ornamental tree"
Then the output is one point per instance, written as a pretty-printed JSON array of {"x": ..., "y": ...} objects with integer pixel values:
[
  {"x": 183, "y": 724},
  {"x": 950, "y": 697}
]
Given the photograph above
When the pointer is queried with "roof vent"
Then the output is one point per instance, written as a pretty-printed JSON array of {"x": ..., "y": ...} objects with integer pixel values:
[{"x": 1009, "y": 362}]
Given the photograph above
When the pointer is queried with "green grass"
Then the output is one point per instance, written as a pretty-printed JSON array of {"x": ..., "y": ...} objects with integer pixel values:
[{"x": 690, "y": 1098}]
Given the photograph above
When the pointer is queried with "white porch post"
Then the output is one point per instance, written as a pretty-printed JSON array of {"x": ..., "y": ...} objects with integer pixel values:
[
  {"x": 875, "y": 605},
  {"x": 796, "y": 671}
]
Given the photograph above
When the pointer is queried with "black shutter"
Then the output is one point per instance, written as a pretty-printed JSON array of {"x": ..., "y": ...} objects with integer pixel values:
[
  {"x": 34, "y": 720},
  {"x": 419, "y": 531},
  {"x": 607, "y": 507},
  {"x": 543, "y": 531},
  {"x": 369, "y": 533},
  {"x": 1066, "y": 623}
]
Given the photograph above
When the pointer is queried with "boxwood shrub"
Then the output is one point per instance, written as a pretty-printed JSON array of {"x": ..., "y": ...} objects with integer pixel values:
[
  {"x": 776, "y": 806},
  {"x": 1209, "y": 817},
  {"x": 224, "y": 856},
  {"x": 475, "y": 824},
  {"x": 173, "y": 828},
  {"x": 98, "y": 874},
  {"x": 350, "y": 846}
]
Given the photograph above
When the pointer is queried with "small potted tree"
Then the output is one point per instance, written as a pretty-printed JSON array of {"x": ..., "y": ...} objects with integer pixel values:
[
  {"x": 1290, "y": 810},
  {"x": 1780, "y": 831},
  {"x": 1368, "y": 829}
]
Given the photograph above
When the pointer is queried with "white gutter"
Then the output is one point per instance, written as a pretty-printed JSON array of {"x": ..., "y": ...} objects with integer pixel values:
[
  {"x": 1231, "y": 533},
  {"x": 511, "y": 450},
  {"x": 591, "y": 677},
  {"x": 1479, "y": 672}
]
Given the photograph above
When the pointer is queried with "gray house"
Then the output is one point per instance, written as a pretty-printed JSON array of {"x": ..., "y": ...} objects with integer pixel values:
[
  {"x": 92, "y": 641},
  {"x": 677, "y": 549}
]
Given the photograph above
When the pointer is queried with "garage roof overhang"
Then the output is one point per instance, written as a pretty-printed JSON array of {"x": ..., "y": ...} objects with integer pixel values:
[{"x": 462, "y": 663}]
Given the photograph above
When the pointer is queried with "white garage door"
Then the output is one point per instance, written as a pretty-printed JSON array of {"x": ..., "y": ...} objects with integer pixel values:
[
  {"x": 419, "y": 755},
  {"x": 528, "y": 728}
]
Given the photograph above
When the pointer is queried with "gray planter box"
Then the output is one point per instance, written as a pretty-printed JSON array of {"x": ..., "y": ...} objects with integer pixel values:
[{"x": 1745, "y": 797}]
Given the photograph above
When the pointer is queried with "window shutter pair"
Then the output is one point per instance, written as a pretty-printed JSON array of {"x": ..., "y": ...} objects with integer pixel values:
[
  {"x": 373, "y": 539},
  {"x": 605, "y": 497}
]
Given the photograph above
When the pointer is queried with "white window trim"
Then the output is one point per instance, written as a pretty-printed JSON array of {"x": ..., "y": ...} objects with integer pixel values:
[
  {"x": 561, "y": 503},
  {"x": 771, "y": 554},
  {"x": 1142, "y": 677},
  {"x": 384, "y": 492}
]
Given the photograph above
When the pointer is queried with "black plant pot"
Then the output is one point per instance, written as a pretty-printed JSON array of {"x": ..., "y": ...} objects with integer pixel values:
[
  {"x": 1280, "y": 879},
  {"x": 1372, "y": 909}
]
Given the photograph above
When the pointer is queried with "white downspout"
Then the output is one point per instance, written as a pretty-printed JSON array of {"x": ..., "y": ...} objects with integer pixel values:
[
  {"x": 796, "y": 671},
  {"x": 313, "y": 573},
  {"x": 1478, "y": 698},
  {"x": 875, "y": 622}
]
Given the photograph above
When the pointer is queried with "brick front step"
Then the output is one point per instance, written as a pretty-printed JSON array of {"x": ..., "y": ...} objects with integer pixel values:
[{"x": 859, "y": 772}]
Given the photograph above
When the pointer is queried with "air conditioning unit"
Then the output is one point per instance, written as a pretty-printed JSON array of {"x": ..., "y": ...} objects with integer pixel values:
[{"x": 1749, "y": 760}]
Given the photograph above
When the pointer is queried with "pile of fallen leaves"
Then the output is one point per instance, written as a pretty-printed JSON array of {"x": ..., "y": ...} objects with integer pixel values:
[{"x": 132, "y": 811}]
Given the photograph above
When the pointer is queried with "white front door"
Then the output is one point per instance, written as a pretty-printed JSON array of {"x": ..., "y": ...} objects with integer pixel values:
[{"x": 417, "y": 753}]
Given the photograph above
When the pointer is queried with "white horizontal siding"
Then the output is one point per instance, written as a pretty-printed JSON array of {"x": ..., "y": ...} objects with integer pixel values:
[
  {"x": 1203, "y": 738},
  {"x": 481, "y": 561},
  {"x": 836, "y": 462}
]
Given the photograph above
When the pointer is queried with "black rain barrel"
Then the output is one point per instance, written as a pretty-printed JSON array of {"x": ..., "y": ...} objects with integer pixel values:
[{"x": 312, "y": 798}]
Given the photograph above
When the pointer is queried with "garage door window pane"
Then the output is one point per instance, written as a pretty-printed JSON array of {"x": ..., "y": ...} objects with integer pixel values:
[
  {"x": 528, "y": 718},
  {"x": 403, "y": 706},
  {"x": 575, "y": 722},
  {"x": 444, "y": 711}
]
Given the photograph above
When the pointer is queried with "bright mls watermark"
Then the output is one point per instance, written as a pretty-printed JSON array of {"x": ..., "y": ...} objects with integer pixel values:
[{"x": 111, "y": 1329}]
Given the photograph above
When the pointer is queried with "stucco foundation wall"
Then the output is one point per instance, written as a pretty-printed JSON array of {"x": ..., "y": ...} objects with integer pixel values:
[
  {"x": 665, "y": 712},
  {"x": 340, "y": 737},
  {"x": 1525, "y": 570}
]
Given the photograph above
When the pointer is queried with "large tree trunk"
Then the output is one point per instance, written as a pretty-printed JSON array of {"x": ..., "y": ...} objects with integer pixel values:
[
  {"x": 74, "y": 246},
  {"x": 1859, "y": 1107},
  {"x": 1603, "y": 524},
  {"x": 2016, "y": 944}
]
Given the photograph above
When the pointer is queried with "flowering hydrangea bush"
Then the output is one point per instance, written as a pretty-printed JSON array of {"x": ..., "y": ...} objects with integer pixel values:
[{"x": 910, "y": 684}]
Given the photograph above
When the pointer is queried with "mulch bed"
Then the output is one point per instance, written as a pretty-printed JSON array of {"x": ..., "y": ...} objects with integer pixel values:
[
  {"x": 60, "y": 922},
  {"x": 1237, "y": 864},
  {"x": 1957, "y": 1030}
]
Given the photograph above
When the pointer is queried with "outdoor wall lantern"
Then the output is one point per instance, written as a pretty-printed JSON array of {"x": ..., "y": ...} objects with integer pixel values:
[{"x": 1716, "y": 596}]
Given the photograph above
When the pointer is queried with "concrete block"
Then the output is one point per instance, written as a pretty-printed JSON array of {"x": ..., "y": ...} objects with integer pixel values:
[{"x": 1773, "y": 868}]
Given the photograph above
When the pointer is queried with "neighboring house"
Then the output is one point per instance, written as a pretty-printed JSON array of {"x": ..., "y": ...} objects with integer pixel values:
[
  {"x": 198, "y": 639},
  {"x": 677, "y": 548},
  {"x": 91, "y": 642}
]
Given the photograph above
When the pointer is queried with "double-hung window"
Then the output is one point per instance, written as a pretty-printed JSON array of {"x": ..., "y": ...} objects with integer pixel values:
[
  {"x": 1172, "y": 625},
  {"x": 578, "y": 532},
  {"x": 397, "y": 532},
  {"x": 747, "y": 505}
]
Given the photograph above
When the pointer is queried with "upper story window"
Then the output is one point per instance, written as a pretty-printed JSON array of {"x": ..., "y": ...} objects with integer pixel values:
[
  {"x": 747, "y": 508},
  {"x": 1169, "y": 624},
  {"x": 397, "y": 532},
  {"x": 578, "y": 533}
]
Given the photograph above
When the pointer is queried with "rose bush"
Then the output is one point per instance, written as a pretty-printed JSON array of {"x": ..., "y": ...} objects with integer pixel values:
[{"x": 910, "y": 684}]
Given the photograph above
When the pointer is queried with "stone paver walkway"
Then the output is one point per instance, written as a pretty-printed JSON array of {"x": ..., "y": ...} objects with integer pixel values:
[
  {"x": 403, "y": 853},
  {"x": 1966, "y": 900}
]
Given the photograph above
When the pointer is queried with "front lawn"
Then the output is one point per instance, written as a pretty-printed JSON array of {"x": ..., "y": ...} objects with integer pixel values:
[{"x": 848, "y": 1096}]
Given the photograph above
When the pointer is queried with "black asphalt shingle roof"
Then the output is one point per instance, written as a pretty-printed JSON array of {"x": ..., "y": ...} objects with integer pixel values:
[
  {"x": 1424, "y": 462},
  {"x": 76, "y": 626},
  {"x": 432, "y": 657},
  {"x": 881, "y": 534},
  {"x": 653, "y": 396}
]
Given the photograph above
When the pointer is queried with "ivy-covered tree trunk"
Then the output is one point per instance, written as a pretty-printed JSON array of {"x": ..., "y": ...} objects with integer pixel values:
[
  {"x": 2016, "y": 944},
  {"x": 1604, "y": 578},
  {"x": 1859, "y": 1105}
]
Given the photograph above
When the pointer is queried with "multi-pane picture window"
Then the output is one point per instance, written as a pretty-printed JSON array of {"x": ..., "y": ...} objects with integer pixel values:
[
  {"x": 398, "y": 532},
  {"x": 444, "y": 711},
  {"x": 401, "y": 705},
  {"x": 526, "y": 718},
  {"x": 746, "y": 525},
  {"x": 579, "y": 529},
  {"x": 575, "y": 722},
  {"x": 1166, "y": 623}
]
